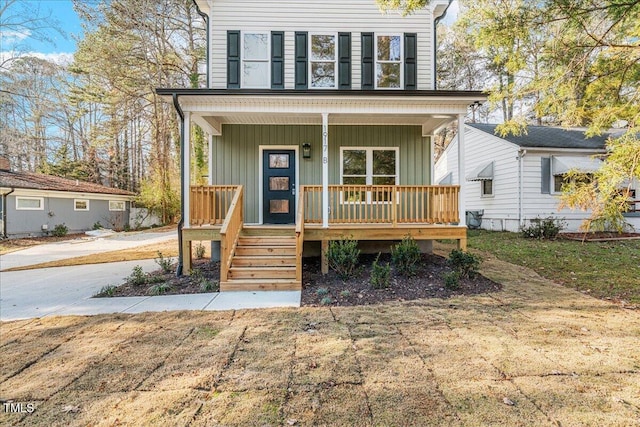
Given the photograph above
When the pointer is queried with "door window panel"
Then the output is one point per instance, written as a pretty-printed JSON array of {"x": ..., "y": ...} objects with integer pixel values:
[{"x": 279, "y": 183}]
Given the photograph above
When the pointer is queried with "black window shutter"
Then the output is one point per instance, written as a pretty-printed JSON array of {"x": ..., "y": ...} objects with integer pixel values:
[
  {"x": 233, "y": 59},
  {"x": 367, "y": 61},
  {"x": 277, "y": 60},
  {"x": 410, "y": 61},
  {"x": 344, "y": 60},
  {"x": 546, "y": 175},
  {"x": 301, "y": 60}
]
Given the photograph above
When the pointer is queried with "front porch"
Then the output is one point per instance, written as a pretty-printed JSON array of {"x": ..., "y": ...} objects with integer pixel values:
[{"x": 268, "y": 257}]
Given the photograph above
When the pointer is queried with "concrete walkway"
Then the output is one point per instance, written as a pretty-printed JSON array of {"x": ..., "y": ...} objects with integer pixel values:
[{"x": 69, "y": 290}]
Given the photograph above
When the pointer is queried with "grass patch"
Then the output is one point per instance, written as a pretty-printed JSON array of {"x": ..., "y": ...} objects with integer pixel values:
[{"x": 602, "y": 269}]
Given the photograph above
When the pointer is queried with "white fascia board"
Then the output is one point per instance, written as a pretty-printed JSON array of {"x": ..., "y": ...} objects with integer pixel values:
[{"x": 551, "y": 151}]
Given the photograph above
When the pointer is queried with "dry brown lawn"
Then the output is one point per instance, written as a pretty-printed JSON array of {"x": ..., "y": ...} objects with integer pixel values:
[{"x": 534, "y": 354}]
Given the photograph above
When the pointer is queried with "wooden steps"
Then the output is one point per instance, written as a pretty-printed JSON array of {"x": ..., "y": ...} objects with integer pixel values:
[{"x": 264, "y": 259}]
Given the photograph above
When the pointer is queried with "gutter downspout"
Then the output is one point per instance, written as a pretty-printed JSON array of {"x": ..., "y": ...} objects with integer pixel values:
[
  {"x": 4, "y": 212},
  {"x": 206, "y": 21},
  {"x": 176, "y": 105},
  {"x": 435, "y": 45},
  {"x": 521, "y": 154}
]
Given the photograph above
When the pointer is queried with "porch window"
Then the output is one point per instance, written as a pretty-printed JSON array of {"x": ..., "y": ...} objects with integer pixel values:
[
  {"x": 255, "y": 60},
  {"x": 322, "y": 61},
  {"x": 29, "y": 203},
  {"x": 80, "y": 205},
  {"x": 389, "y": 56},
  {"x": 368, "y": 166},
  {"x": 116, "y": 205}
]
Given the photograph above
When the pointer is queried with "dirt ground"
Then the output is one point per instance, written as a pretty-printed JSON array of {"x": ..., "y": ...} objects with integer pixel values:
[{"x": 533, "y": 354}]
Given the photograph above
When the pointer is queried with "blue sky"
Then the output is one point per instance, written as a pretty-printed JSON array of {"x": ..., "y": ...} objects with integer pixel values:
[
  {"x": 61, "y": 48},
  {"x": 62, "y": 10}
]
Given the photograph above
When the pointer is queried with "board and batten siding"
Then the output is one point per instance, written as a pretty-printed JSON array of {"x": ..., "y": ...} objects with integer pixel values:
[
  {"x": 330, "y": 16},
  {"x": 235, "y": 158}
]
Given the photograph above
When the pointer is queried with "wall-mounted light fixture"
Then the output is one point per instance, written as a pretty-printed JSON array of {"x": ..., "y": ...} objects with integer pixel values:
[{"x": 306, "y": 150}]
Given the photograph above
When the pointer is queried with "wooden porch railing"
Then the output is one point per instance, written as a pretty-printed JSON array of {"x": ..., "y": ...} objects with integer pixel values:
[
  {"x": 383, "y": 204},
  {"x": 208, "y": 204},
  {"x": 230, "y": 232}
]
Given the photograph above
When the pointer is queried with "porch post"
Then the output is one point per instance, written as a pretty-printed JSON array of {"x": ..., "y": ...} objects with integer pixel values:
[
  {"x": 325, "y": 170},
  {"x": 461, "y": 172},
  {"x": 186, "y": 155}
]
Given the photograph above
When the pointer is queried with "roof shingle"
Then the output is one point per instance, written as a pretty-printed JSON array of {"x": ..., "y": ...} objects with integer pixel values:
[
  {"x": 549, "y": 137},
  {"x": 40, "y": 181}
]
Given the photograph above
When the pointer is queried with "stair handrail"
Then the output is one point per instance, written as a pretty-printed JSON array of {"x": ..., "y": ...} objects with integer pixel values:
[
  {"x": 299, "y": 234},
  {"x": 230, "y": 232}
]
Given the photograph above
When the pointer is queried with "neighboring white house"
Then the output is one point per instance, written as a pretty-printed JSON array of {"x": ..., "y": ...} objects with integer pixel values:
[{"x": 514, "y": 179}]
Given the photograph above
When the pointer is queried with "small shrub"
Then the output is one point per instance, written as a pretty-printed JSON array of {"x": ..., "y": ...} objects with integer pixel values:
[
  {"x": 380, "y": 274},
  {"x": 200, "y": 251},
  {"x": 322, "y": 291},
  {"x": 60, "y": 230},
  {"x": 464, "y": 263},
  {"x": 97, "y": 226},
  {"x": 543, "y": 228},
  {"x": 451, "y": 280},
  {"x": 342, "y": 256},
  {"x": 405, "y": 256},
  {"x": 164, "y": 263},
  {"x": 126, "y": 227},
  {"x": 326, "y": 301},
  {"x": 345, "y": 294},
  {"x": 159, "y": 289},
  {"x": 137, "y": 277},
  {"x": 106, "y": 291},
  {"x": 209, "y": 286}
]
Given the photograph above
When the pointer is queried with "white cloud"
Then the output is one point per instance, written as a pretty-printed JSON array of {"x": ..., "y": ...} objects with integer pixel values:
[
  {"x": 60, "y": 58},
  {"x": 10, "y": 37}
]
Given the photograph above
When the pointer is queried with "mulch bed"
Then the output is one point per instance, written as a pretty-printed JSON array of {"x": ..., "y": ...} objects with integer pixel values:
[
  {"x": 427, "y": 283},
  {"x": 599, "y": 236}
]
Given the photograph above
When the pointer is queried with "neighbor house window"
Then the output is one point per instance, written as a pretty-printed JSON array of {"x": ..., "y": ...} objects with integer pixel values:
[
  {"x": 389, "y": 70},
  {"x": 322, "y": 61},
  {"x": 255, "y": 60},
  {"x": 29, "y": 203},
  {"x": 369, "y": 166},
  {"x": 116, "y": 205},
  {"x": 560, "y": 180},
  {"x": 80, "y": 205},
  {"x": 487, "y": 187}
]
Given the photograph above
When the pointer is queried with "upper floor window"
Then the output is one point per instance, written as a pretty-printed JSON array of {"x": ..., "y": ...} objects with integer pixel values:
[
  {"x": 389, "y": 61},
  {"x": 255, "y": 60},
  {"x": 323, "y": 61}
]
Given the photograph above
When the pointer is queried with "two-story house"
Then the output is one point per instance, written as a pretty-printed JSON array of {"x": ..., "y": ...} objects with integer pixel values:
[{"x": 320, "y": 116}]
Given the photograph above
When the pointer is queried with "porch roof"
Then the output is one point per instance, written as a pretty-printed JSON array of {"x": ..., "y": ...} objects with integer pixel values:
[{"x": 211, "y": 108}]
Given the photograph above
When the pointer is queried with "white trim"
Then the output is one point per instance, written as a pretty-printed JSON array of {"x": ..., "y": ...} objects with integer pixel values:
[
  {"x": 32, "y": 192},
  {"x": 267, "y": 61},
  {"x": 186, "y": 155},
  {"x": 462, "y": 222},
  {"x": 261, "y": 149},
  {"x": 325, "y": 170},
  {"x": 75, "y": 205},
  {"x": 335, "y": 59},
  {"x": 376, "y": 61},
  {"x": 18, "y": 208},
  {"x": 124, "y": 206}
]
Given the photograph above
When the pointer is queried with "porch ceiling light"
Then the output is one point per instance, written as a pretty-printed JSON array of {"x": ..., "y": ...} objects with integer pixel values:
[{"x": 306, "y": 150}]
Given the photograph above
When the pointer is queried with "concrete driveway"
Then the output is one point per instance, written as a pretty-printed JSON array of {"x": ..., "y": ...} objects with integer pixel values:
[{"x": 68, "y": 290}]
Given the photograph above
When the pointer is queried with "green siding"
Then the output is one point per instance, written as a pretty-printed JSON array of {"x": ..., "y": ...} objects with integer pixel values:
[{"x": 236, "y": 154}]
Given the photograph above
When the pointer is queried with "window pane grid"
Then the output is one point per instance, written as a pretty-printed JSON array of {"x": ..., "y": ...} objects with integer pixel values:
[
  {"x": 368, "y": 160},
  {"x": 389, "y": 61},
  {"x": 322, "y": 61},
  {"x": 255, "y": 60}
]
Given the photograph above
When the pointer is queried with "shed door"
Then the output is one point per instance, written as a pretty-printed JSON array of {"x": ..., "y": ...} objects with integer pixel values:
[{"x": 278, "y": 186}]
